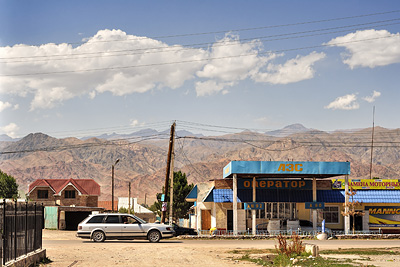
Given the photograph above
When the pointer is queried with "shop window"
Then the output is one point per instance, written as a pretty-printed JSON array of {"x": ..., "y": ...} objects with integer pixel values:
[
  {"x": 43, "y": 194},
  {"x": 70, "y": 194},
  {"x": 331, "y": 214}
]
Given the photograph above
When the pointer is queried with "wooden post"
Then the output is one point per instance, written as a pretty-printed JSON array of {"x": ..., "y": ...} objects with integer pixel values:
[
  {"x": 129, "y": 198},
  {"x": 166, "y": 184}
]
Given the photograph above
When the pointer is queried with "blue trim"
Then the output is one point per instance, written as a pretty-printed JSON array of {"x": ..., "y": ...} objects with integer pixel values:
[
  {"x": 192, "y": 194},
  {"x": 284, "y": 168}
]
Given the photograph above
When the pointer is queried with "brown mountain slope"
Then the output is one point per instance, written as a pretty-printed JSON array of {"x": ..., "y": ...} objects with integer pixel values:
[{"x": 143, "y": 164}]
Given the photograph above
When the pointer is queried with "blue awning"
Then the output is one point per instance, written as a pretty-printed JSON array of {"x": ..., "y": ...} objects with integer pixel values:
[
  {"x": 286, "y": 169},
  {"x": 365, "y": 196},
  {"x": 301, "y": 196}
]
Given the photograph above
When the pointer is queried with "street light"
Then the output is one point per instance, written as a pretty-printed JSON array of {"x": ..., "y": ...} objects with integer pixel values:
[{"x": 112, "y": 184}]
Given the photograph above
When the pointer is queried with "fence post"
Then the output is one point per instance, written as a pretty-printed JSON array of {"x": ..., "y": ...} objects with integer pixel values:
[
  {"x": 26, "y": 227},
  {"x": 4, "y": 232},
  {"x": 15, "y": 230},
  {"x": 34, "y": 234}
]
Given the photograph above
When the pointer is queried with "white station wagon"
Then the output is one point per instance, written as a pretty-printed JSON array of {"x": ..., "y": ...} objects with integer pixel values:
[{"x": 100, "y": 227}]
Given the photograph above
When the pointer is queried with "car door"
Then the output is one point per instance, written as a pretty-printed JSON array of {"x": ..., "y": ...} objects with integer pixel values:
[
  {"x": 112, "y": 226},
  {"x": 132, "y": 228}
]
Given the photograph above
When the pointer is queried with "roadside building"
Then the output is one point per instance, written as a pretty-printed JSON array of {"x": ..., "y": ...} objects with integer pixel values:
[
  {"x": 285, "y": 193},
  {"x": 67, "y": 201}
]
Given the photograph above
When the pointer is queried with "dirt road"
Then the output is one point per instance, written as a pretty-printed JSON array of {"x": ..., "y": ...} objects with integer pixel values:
[{"x": 64, "y": 249}]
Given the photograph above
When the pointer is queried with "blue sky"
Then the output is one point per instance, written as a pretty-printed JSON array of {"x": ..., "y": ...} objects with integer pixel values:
[{"x": 76, "y": 68}]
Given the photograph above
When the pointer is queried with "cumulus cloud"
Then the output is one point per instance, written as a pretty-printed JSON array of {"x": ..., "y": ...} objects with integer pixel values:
[
  {"x": 347, "y": 102},
  {"x": 4, "y": 105},
  {"x": 68, "y": 67},
  {"x": 211, "y": 87},
  {"x": 369, "y": 48},
  {"x": 116, "y": 62},
  {"x": 373, "y": 97},
  {"x": 294, "y": 70},
  {"x": 10, "y": 130}
]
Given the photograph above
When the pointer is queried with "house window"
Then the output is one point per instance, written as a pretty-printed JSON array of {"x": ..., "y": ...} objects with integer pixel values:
[
  {"x": 331, "y": 214},
  {"x": 43, "y": 194},
  {"x": 69, "y": 194}
]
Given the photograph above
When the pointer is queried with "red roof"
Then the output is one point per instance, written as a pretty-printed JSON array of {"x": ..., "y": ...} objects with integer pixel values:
[{"x": 84, "y": 186}]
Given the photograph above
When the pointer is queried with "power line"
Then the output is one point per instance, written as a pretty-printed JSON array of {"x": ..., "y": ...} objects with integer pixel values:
[
  {"x": 191, "y": 61},
  {"x": 178, "y": 48},
  {"x": 247, "y": 29}
]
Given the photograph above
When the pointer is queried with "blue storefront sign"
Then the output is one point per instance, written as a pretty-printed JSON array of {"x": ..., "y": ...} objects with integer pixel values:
[
  {"x": 254, "y": 206},
  {"x": 315, "y": 205},
  {"x": 275, "y": 184}
]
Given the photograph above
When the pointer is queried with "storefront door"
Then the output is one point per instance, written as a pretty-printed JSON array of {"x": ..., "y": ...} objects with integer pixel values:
[{"x": 205, "y": 219}]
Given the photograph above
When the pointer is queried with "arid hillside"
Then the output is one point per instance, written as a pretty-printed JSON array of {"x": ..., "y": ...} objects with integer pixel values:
[{"x": 201, "y": 157}]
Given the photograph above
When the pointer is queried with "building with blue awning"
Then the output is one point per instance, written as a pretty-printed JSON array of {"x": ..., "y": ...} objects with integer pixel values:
[{"x": 282, "y": 189}]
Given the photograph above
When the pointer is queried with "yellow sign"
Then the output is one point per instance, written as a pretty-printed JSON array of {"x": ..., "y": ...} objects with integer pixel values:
[{"x": 367, "y": 184}]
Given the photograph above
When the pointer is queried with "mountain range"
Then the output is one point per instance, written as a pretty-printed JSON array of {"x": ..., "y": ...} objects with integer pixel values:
[{"x": 202, "y": 158}]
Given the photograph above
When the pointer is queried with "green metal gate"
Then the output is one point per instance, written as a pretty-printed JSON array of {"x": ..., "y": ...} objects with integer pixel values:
[{"x": 51, "y": 217}]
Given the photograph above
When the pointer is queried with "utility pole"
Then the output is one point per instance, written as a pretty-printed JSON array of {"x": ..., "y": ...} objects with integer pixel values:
[
  {"x": 171, "y": 178},
  {"x": 112, "y": 184},
  {"x": 171, "y": 141},
  {"x": 129, "y": 198},
  {"x": 372, "y": 142}
]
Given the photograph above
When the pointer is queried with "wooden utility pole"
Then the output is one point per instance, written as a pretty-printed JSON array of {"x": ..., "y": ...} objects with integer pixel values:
[
  {"x": 171, "y": 181},
  {"x": 171, "y": 141},
  {"x": 129, "y": 198}
]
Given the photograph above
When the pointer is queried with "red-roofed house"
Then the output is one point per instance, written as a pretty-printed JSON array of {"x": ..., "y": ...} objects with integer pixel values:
[{"x": 65, "y": 192}]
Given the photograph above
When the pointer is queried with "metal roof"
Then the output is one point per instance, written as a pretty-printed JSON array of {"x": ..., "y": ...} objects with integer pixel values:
[
  {"x": 285, "y": 169},
  {"x": 300, "y": 196}
]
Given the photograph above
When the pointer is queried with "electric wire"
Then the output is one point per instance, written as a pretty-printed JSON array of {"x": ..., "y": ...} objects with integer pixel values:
[
  {"x": 247, "y": 29},
  {"x": 178, "y": 48},
  {"x": 191, "y": 61}
]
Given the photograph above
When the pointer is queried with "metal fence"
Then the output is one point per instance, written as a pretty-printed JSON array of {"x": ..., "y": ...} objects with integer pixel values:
[
  {"x": 273, "y": 233},
  {"x": 21, "y": 225}
]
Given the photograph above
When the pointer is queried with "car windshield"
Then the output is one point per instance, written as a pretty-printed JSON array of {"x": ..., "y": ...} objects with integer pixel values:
[{"x": 139, "y": 219}]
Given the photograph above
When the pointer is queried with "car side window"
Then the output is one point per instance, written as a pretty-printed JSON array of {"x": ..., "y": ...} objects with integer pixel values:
[
  {"x": 112, "y": 219},
  {"x": 96, "y": 219},
  {"x": 129, "y": 220}
]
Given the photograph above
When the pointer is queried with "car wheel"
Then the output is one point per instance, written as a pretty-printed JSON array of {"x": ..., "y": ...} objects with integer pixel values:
[
  {"x": 98, "y": 236},
  {"x": 154, "y": 236}
]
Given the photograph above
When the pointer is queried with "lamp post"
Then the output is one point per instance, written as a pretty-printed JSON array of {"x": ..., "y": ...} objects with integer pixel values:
[{"x": 112, "y": 184}]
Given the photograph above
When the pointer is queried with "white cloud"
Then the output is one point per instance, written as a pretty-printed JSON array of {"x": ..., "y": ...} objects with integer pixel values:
[
  {"x": 347, "y": 102},
  {"x": 211, "y": 87},
  {"x": 228, "y": 62},
  {"x": 4, "y": 105},
  {"x": 16, "y": 106},
  {"x": 294, "y": 70},
  {"x": 373, "y": 97},
  {"x": 10, "y": 130},
  {"x": 369, "y": 48},
  {"x": 51, "y": 90},
  {"x": 134, "y": 123},
  {"x": 142, "y": 65}
]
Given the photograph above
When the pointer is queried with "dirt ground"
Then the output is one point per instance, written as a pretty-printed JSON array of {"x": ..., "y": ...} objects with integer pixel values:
[
  {"x": 66, "y": 250},
  {"x": 170, "y": 252}
]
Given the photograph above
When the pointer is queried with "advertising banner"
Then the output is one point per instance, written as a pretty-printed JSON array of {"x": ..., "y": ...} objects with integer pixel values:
[
  {"x": 369, "y": 184},
  {"x": 384, "y": 216}
]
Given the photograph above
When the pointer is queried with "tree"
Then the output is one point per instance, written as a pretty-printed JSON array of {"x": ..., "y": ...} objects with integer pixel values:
[
  {"x": 352, "y": 207},
  {"x": 181, "y": 190},
  {"x": 8, "y": 186}
]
